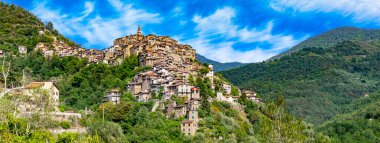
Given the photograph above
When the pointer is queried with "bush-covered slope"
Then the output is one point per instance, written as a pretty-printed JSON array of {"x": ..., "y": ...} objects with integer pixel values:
[
  {"x": 361, "y": 125},
  {"x": 219, "y": 66},
  {"x": 317, "y": 83},
  {"x": 332, "y": 37},
  {"x": 19, "y": 27}
]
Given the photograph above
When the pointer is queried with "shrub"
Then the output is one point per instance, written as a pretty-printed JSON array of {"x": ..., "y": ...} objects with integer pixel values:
[
  {"x": 83, "y": 122},
  {"x": 65, "y": 124},
  {"x": 67, "y": 137}
]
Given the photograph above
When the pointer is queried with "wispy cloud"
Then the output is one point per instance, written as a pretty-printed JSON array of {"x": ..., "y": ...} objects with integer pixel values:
[
  {"x": 95, "y": 29},
  {"x": 220, "y": 25},
  {"x": 359, "y": 10}
]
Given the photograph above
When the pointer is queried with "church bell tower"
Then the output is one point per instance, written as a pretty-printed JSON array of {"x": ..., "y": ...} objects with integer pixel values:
[{"x": 139, "y": 31}]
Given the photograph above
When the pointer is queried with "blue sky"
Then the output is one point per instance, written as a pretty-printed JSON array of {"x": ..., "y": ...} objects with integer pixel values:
[{"x": 225, "y": 31}]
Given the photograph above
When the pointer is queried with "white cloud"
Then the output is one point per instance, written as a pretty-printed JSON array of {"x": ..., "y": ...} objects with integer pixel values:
[
  {"x": 95, "y": 29},
  {"x": 177, "y": 11},
  {"x": 359, "y": 10},
  {"x": 220, "y": 25},
  {"x": 224, "y": 52},
  {"x": 117, "y": 4},
  {"x": 219, "y": 22}
]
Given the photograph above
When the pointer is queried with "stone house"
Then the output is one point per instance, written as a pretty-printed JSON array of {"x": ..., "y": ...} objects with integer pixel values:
[
  {"x": 37, "y": 90},
  {"x": 193, "y": 104},
  {"x": 143, "y": 96},
  {"x": 179, "y": 111},
  {"x": 112, "y": 96},
  {"x": 189, "y": 127},
  {"x": 220, "y": 97},
  {"x": 169, "y": 110},
  {"x": 252, "y": 96},
  {"x": 195, "y": 93},
  {"x": 230, "y": 99},
  {"x": 134, "y": 88},
  {"x": 227, "y": 88},
  {"x": 183, "y": 90},
  {"x": 192, "y": 115}
]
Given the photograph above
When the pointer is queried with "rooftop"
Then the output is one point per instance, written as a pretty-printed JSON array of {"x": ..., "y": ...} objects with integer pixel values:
[
  {"x": 34, "y": 85},
  {"x": 187, "y": 121}
]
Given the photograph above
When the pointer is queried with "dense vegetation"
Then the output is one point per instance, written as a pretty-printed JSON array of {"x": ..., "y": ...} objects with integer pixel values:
[
  {"x": 19, "y": 27},
  {"x": 333, "y": 37},
  {"x": 317, "y": 83},
  {"x": 81, "y": 85},
  {"x": 219, "y": 66},
  {"x": 361, "y": 125}
]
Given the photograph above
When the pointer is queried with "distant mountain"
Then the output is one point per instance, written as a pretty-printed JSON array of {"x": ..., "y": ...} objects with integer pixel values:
[
  {"x": 332, "y": 37},
  {"x": 219, "y": 66},
  {"x": 318, "y": 83}
]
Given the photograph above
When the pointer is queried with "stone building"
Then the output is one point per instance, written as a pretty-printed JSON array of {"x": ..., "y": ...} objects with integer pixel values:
[
  {"x": 112, "y": 96},
  {"x": 40, "y": 95},
  {"x": 227, "y": 88},
  {"x": 184, "y": 90},
  {"x": 252, "y": 96},
  {"x": 179, "y": 111},
  {"x": 195, "y": 93},
  {"x": 190, "y": 125}
]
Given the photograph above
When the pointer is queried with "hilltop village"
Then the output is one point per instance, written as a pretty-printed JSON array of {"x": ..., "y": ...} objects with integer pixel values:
[{"x": 171, "y": 65}]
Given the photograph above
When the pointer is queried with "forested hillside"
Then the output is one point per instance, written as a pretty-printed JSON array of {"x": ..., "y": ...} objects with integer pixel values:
[
  {"x": 317, "y": 83},
  {"x": 333, "y": 37},
  {"x": 219, "y": 66},
  {"x": 19, "y": 27},
  {"x": 360, "y": 125}
]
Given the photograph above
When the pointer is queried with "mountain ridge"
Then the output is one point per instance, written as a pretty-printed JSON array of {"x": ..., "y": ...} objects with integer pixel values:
[
  {"x": 333, "y": 77},
  {"x": 219, "y": 66},
  {"x": 332, "y": 37}
]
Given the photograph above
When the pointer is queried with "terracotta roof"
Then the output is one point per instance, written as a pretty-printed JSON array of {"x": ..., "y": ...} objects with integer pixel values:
[
  {"x": 34, "y": 85},
  {"x": 194, "y": 88},
  {"x": 187, "y": 121}
]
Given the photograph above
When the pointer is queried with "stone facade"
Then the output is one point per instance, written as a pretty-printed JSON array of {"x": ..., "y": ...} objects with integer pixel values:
[
  {"x": 190, "y": 125},
  {"x": 154, "y": 50},
  {"x": 34, "y": 91},
  {"x": 112, "y": 96}
]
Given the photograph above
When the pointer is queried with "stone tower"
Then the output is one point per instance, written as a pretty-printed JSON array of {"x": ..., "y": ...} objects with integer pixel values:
[
  {"x": 139, "y": 31},
  {"x": 193, "y": 115}
]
